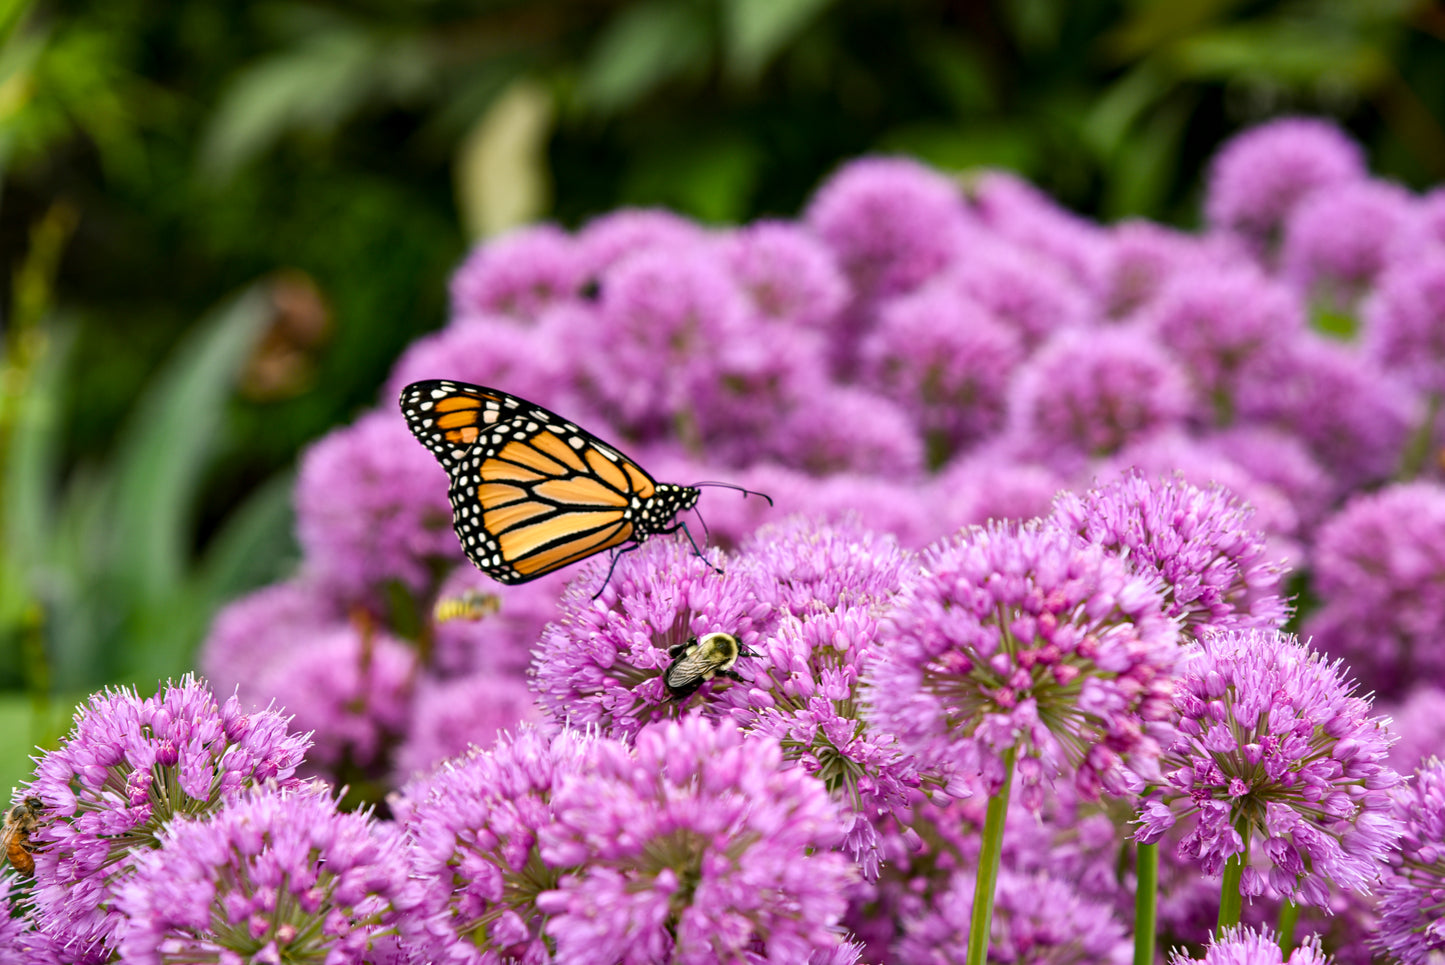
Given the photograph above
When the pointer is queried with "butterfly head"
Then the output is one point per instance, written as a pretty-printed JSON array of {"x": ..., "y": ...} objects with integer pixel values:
[{"x": 666, "y": 501}]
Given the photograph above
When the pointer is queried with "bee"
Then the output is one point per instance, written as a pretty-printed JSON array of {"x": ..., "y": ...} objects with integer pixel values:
[
  {"x": 21, "y": 821},
  {"x": 470, "y": 605},
  {"x": 699, "y": 660}
]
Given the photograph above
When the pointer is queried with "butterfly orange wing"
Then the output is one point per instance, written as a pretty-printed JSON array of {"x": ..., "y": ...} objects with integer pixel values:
[{"x": 530, "y": 491}]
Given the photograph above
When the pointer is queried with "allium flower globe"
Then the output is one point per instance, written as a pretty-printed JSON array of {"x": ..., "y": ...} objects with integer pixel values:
[
  {"x": 1279, "y": 766},
  {"x": 1198, "y": 543},
  {"x": 695, "y": 845},
  {"x": 128, "y": 769},
  {"x": 601, "y": 662},
  {"x": 473, "y": 830},
  {"x": 276, "y": 876},
  {"x": 1246, "y": 946},
  {"x": 1412, "y": 900},
  {"x": 1025, "y": 640}
]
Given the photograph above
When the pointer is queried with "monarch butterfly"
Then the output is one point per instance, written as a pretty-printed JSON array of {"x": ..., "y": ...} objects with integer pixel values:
[{"x": 532, "y": 492}]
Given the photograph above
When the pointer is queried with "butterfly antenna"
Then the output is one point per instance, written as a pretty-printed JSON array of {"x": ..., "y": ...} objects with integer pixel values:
[{"x": 723, "y": 485}]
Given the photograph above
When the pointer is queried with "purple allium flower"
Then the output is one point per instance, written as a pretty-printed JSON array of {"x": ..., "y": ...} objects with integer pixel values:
[
  {"x": 21, "y": 940},
  {"x": 941, "y": 356},
  {"x": 500, "y": 643},
  {"x": 805, "y": 695},
  {"x": 842, "y": 428},
  {"x": 1379, "y": 567},
  {"x": 601, "y": 662},
  {"x": 1216, "y": 321},
  {"x": 1280, "y": 765},
  {"x": 765, "y": 372},
  {"x": 1281, "y": 461},
  {"x": 1090, "y": 393},
  {"x": 787, "y": 274},
  {"x": 1337, "y": 242},
  {"x": 448, "y": 716},
  {"x": 1029, "y": 296},
  {"x": 371, "y": 506},
  {"x": 1203, "y": 464},
  {"x": 128, "y": 767},
  {"x": 350, "y": 687},
  {"x": 1354, "y": 417},
  {"x": 1201, "y": 545},
  {"x": 1143, "y": 258},
  {"x": 519, "y": 274},
  {"x": 275, "y": 876},
  {"x": 473, "y": 829},
  {"x": 802, "y": 566},
  {"x": 1246, "y": 946},
  {"x": 663, "y": 318},
  {"x": 891, "y": 223},
  {"x": 1426, "y": 229},
  {"x": 1038, "y": 919},
  {"x": 1026, "y": 216},
  {"x": 1023, "y": 639},
  {"x": 612, "y": 238},
  {"x": 528, "y": 362},
  {"x": 1259, "y": 176},
  {"x": 693, "y": 847},
  {"x": 986, "y": 485},
  {"x": 1404, "y": 327},
  {"x": 248, "y": 633},
  {"x": 1419, "y": 724},
  {"x": 1412, "y": 899}
]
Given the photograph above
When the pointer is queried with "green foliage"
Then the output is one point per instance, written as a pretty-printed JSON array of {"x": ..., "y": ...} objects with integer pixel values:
[{"x": 156, "y": 155}]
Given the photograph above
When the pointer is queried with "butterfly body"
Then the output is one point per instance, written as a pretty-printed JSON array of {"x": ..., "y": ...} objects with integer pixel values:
[{"x": 530, "y": 491}]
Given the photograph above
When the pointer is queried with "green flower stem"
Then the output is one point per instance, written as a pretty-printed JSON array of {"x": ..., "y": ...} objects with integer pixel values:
[
  {"x": 1288, "y": 918},
  {"x": 982, "y": 920},
  {"x": 1146, "y": 899},
  {"x": 1231, "y": 902}
]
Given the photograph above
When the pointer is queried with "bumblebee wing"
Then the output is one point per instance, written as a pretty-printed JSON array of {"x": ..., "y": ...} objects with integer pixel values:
[{"x": 687, "y": 673}]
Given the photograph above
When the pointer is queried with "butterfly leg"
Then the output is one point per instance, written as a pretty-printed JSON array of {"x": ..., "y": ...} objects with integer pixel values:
[
  {"x": 616, "y": 555},
  {"x": 688, "y": 533}
]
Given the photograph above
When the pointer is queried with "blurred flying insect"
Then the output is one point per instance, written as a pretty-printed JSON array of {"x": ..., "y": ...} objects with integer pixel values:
[
  {"x": 20, "y": 822},
  {"x": 699, "y": 660},
  {"x": 470, "y": 605}
]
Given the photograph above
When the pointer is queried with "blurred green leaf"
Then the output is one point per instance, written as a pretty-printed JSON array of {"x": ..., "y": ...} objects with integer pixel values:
[
  {"x": 1122, "y": 104},
  {"x": 1151, "y": 25},
  {"x": 645, "y": 45},
  {"x": 311, "y": 88},
  {"x": 965, "y": 147},
  {"x": 958, "y": 71},
  {"x": 756, "y": 30},
  {"x": 257, "y": 542},
  {"x": 29, "y": 724},
  {"x": 501, "y": 167},
  {"x": 1147, "y": 162},
  {"x": 1287, "y": 52},
  {"x": 708, "y": 176},
  {"x": 168, "y": 441}
]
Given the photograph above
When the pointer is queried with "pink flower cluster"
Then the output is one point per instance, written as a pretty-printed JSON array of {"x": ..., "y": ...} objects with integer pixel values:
[{"x": 1039, "y": 486}]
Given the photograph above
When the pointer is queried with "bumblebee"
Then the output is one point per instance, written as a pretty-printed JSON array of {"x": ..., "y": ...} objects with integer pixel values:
[
  {"x": 21, "y": 821},
  {"x": 699, "y": 660},
  {"x": 470, "y": 605}
]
